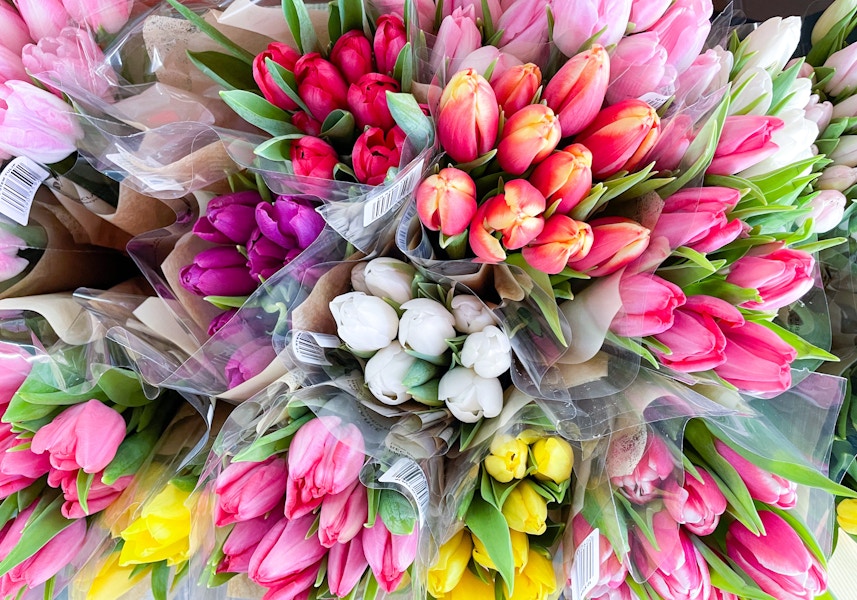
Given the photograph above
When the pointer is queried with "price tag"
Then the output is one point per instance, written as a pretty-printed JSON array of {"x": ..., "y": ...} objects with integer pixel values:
[
  {"x": 19, "y": 182},
  {"x": 654, "y": 99},
  {"x": 408, "y": 474},
  {"x": 382, "y": 203},
  {"x": 586, "y": 569},
  {"x": 309, "y": 347}
]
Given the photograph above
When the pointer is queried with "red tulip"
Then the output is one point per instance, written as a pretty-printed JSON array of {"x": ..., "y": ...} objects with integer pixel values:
[
  {"x": 352, "y": 55},
  {"x": 285, "y": 56},
  {"x": 375, "y": 153},
  {"x": 313, "y": 157},
  {"x": 320, "y": 85},
  {"x": 367, "y": 101}
]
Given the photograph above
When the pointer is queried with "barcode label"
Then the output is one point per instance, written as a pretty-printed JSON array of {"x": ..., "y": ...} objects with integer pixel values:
[
  {"x": 586, "y": 570},
  {"x": 384, "y": 202},
  {"x": 309, "y": 347},
  {"x": 405, "y": 226},
  {"x": 654, "y": 99},
  {"x": 408, "y": 474},
  {"x": 18, "y": 185}
]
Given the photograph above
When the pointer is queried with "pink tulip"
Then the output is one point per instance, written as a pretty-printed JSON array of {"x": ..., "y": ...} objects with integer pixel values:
[
  {"x": 564, "y": 177},
  {"x": 763, "y": 486},
  {"x": 718, "y": 594},
  {"x": 84, "y": 436},
  {"x": 577, "y": 22},
  {"x": 780, "y": 276},
  {"x": 700, "y": 505},
  {"x": 248, "y": 360},
  {"x": 285, "y": 56},
  {"x": 99, "y": 497},
  {"x": 320, "y": 85},
  {"x": 306, "y": 123},
  {"x": 367, "y": 101},
  {"x": 525, "y": 30},
  {"x": 845, "y": 75},
  {"x": 346, "y": 564},
  {"x": 819, "y": 112},
  {"x": 468, "y": 116},
  {"x": 389, "y": 555},
  {"x": 246, "y": 490},
  {"x": 516, "y": 213},
  {"x": 757, "y": 359},
  {"x": 15, "y": 366},
  {"x": 390, "y": 38},
  {"x": 708, "y": 73},
  {"x": 494, "y": 9},
  {"x": 11, "y": 66},
  {"x": 457, "y": 37},
  {"x": 577, "y": 91},
  {"x": 16, "y": 35},
  {"x": 243, "y": 541},
  {"x": 612, "y": 571},
  {"x": 44, "y": 18},
  {"x": 683, "y": 30},
  {"x": 106, "y": 15},
  {"x": 313, "y": 157},
  {"x": 778, "y": 562},
  {"x": 517, "y": 87},
  {"x": 446, "y": 201},
  {"x": 645, "y": 13},
  {"x": 481, "y": 59},
  {"x": 288, "y": 557},
  {"x": 529, "y": 136},
  {"x": 638, "y": 66},
  {"x": 620, "y": 137},
  {"x": 617, "y": 242},
  {"x": 697, "y": 218},
  {"x": 643, "y": 483},
  {"x": 648, "y": 305},
  {"x": 562, "y": 239},
  {"x": 343, "y": 515},
  {"x": 695, "y": 340},
  {"x": 352, "y": 55},
  {"x": 19, "y": 466},
  {"x": 375, "y": 153},
  {"x": 325, "y": 458},
  {"x": 744, "y": 142}
]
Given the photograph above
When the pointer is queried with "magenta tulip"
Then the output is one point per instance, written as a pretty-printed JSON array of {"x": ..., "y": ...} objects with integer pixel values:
[
  {"x": 101, "y": 15},
  {"x": 229, "y": 219},
  {"x": 306, "y": 123},
  {"x": 617, "y": 242},
  {"x": 285, "y": 56},
  {"x": 291, "y": 221},
  {"x": 320, "y": 85},
  {"x": 389, "y": 555},
  {"x": 390, "y": 38},
  {"x": 367, "y": 101},
  {"x": 352, "y": 55},
  {"x": 468, "y": 116},
  {"x": 744, "y": 142},
  {"x": 780, "y": 276},
  {"x": 346, "y": 564},
  {"x": 757, "y": 359},
  {"x": 457, "y": 38},
  {"x": 648, "y": 305},
  {"x": 265, "y": 256},
  {"x": 288, "y": 556},
  {"x": 698, "y": 504},
  {"x": 220, "y": 271},
  {"x": 246, "y": 490},
  {"x": 577, "y": 91},
  {"x": 446, "y": 201},
  {"x": 376, "y": 152},
  {"x": 763, "y": 486},
  {"x": 243, "y": 541},
  {"x": 248, "y": 361},
  {"x": 644, "y": 482},
  {"x": 313, "y": 157},
  {"x": 697, "y": 218},
  {"x": 343, "y": 515},
  {"x": 44, "y": 18}
]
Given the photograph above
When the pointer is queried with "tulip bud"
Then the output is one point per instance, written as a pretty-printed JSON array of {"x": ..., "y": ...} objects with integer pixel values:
[
  {"x": 834, "y": 13},
  {"x": 320, "y": 85},
  {"x": 470, "y": 397},
  {"x": 553, "y": 458},
  {"x": 100, "y": 15},
  {"x": 520, "y": 552},
  {"x": 229, "y": 219},
  {"x": 577, "y": 91},
  {"x": 385, "y": 372},
  {"x": 757, "y": 361},
  {"x": 755, "y": 92},
  {"x": 451, "y": 564},
  {"x": 683, "y": 30},
  {"x": 471, "y": 315},
  {"x": 248, "y": 361},
  {"x": 389, "y": 278},
  {"x": 313, "y": 157},
  {"x": 367, "y": 101},
  {"x": 780, "y": 276},
  {"x": 364, "y": 323},
  {"x": 845, "y": 108},
  {"x": 602, "y": 21},
  {"x": 16, "y": 35},
  {"x": 525, "y": 509},
  {"x": 488, "y": 352},
  {"x": 517, "y": 87},
  {"x": 845, "y": 75},
  {"x": 708, "y": 73},
  {"x": 481, "y": 59},
  {"x": 638, "y": 66},
  {"x": 390, "y": 38},
  {"x": 837, "y": 177},
  {"x": 616, "y": 242},
  {"x": 770, "y": 45},
  {"x": 529, "y": 136},
  {"x": 846, "y": 515},
  {"x": 524, "y": 24},
  {"x": 645, "y": 13},
  {"x": 845, "y": 152},
  {"x": 827, "y": 208},
  {"x": 648, "y": 304},
  {"x": 425, "y": 326},
  {"x": 306, "y": 123},
  {"x": 376, "y": 153},
  {"x": 744, "y": 142},
  {"x": 343, "y": 515},
  {"x": 468, "y": 116},
  {"x": 246, "y": 490},
  {"x": 389, "y": 555},
  {"x": 698, "y": 218},
  {"x": 352, "y": 55},
  {"x": 565, "y": 177},
  {"x": 457, "y": 37},
  {"x": 698, "y": 504},
  {"x": 818, "y": 112},
  {"x": 44, "y": 18},
  {"x": 285, "y": 56},
  {"x": 220, "y": 271},
  {"x": 517, "y": 213},
  {"x": 507, "y": 459},
  {"x": 562, "y": 240},
  {"x": 446, "y": 201},
  {"x": 346, "y": 564}
]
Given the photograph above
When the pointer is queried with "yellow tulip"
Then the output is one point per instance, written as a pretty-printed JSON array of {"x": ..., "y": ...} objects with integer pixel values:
[
  {"x": 553, "y": 458},
  {"x": 525, "y": 510},
  {"x": 536, "y": 581},
  {"x": 113, "y": 581},
  {"x": 530, "y": 436},
  {"x": 508, "y": 458},
  {"x": 846, "y": 516},
  {"x": 470, "y": 587},
  {"x": 451, "y": 564},
  {"x": 520, "y": 550},
  {"x": 161, "y": 532}
]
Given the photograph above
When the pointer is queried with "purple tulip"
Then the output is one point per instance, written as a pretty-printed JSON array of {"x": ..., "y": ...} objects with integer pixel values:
[
  {"x": 221, "y": 319},
  {"x": 291, "y": 221},
  {"x": 229, "y": 219},
  {"x": 266, "y": 257},
  {"x": 218, "y": 272},
  {"x": 248, "y": 361}
]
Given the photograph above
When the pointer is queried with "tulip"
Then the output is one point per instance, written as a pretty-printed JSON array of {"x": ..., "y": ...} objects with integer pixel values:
[
  {"x": 17, "y": 364},
  {"x": 352, "y": 55},
  {"x": 105, "y": 15},
  {"x": 794, "y": 142},
  {"x": 697, "y": 218},
  {"x": 700, "y": 506},
  {"x": 837, "y": 177},
  {"x": 536, "y": 580},
  {"x": 834, "y": 13},
  {"x": 470, "y": 586},
  {"x": 620, "y": 137},
  {"x": 343, "y": 515},
  {"x": 306, "y": 123},
  {"x": 798, "y": 95},
  {"x": 770, "y": 45},
  {"x": 376, "y": 153},
  {"x": 524, "y": 24},
  {"x": 757, "y": 359},
  {"x": 98, "y": 497},
  {"x": 845, "y": 108},
  {"x": 19, "y": 466},
  {"x": 640, "y": 483},
  {"x": 285, "y": 56},
  {"x": 517, "y": 87},
  {"x": 718, "y": 594},
  {"x": 248, "y": 361},
  {"x": 425, "y": 326},
  {"x": 220, "y": 271},
  {"x": 457, "y": 37},
  {"x": 494, "y": 9},
  {"x": 229, "y": 219},
  {"x": 648, "y": 305},
  {"x": 507, "y": 459},
  {"x": 113, "y": 581},
  {"x": 384, "y": 374},
  {"x": 565, "y": 177},
  {"x": 638, "y": 66},
  {"x": 468, "y": 396},
  {"x": 346, "y": 563},
  {"x": 520, "y": 551},
  {"x": 826, "y": 210},
  {"x": 44, "y": 18},
  {"x": 778, "y": 562},
  {"x": 389, "y": 278},
  {"x": 313, "y": 157},
  {"x": 288, "y": 555},
  {"x": 526, "y": 510},
  {"x": 529, "y": 136},
  {"x": 364, "y": 323},
  {"x": 11, "y": 265},
  {"x": 780, "y": 276},
  {"x": 468, "y": 116},
  {"x": 12, "y": 67},
  {"x": 578, "y": 22},
  {"x": 35, "y": 123},
  {"x": 161, "y": 532},
  {"x": 763, "y": 486},
  {"x": 320, "y": 85},
  {"x": 389, "y": 555},
  {"x": 246, "y": 490},
  {"x": 68, "y": 438},
  {"x": 553, "y": 458},
  {"x": 446, "y": 201},
  {"x": 367, "y": 101},
  {"x": 616, "y": 242},
  {"x": 488, "y": 352},
  {"x": 819, "y": 112},
  {"x": 562, "y": 240},
  {"x": 390, "y": 38},
  {"x": 325, "y": 458},
  {"x": 645, "y": 13},
  {"x": 517, "y": 213},
  {"x": 695, "y": 340},
  {"x": 16, "y": 35},
  {"x": 845, "y": 153},
  {"x": 682, "y": 31},
  {"x": 481, "y": 59},
  {"x": 612, "y": 571},
  {"x": 744, "y": 141},
  {"x": 471, "y": 314},
  {"x": 708, "y": 73},
  {"x": 265, "y": 256},
  {"x": 291, "y": 221},
  {"x": 755, "y": 92},
  {"x": 243, "y": 540},
  {"x": 846, "y": 515},
  {"x": 451, "y": 564},
  {"x": 577, "y": 91}
]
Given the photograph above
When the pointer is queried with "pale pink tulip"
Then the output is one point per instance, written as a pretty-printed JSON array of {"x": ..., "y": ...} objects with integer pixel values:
[
  {"x": 16, "y": 35},
  {"x": 638, "y": 66},
  {"x": 577, "y": 22},
  {"x": 683, "y": 30},
  {"x": 44, "y": 18},
  {"x": 457, "y": 38},
  {"x": 389, "y": 555},
  {"x": 525, "y": 30},
  {"x": 343, "y": 515},
  {"x": 645, "y": 13},
  {"x": 107, "y": 15}
]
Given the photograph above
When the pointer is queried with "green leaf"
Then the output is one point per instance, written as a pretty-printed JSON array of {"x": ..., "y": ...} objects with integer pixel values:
[
  {"x": 278, "y": 148},
  {"x": 542, "y": 295},
  {"x": 160, "y": 580},
  {"x": 83, "y": 484},
  {"x": 259, "y": 112},
  {"x": 616, "y": 186},
  {"x": 334, "y": 23},
  {"x": 397, "y": 512},
  {"x": 590, "y": 204},
  {"x": 226, "y": 70},
  {"x": 501, "y": 491},
  {"x": 201, "y": 24},
  {"x": 633, "y": 346},
  {"x": 782, "y": 83},
  {"x": 831, "y": 42},
  {"x": 403, "y": 70},
  {"x": 226, "y": 302},
  {"x": 131, "y": 454},
  {"x": 420, "y": 372},
  {"x": 300, "y": 24},
  {"x": 286, "y": 81},
  {"x": 272, "y": 443},
  {"x": 488, "y": 524},
  {"x": 644, "y": 524},
  {"x": 123, "y": 387},
  {"x": 338, "y": 125},
  {"x": 409, "y": 116},
  {"x": 351, "y": 15},
  {"x": 44, "y": 524}
]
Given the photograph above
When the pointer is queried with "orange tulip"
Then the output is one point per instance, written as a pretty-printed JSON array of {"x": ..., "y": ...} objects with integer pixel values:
[
  {"x": 616, "y": 242},
  {"x": 517, "y": 87},
  {"x": 446, "y": 201},
  {"x": 516, "y": 213},
  {"x": 565, "y": 176},
  {"x": 529, "y": 136},
  {"x": 561, "y": 240}
]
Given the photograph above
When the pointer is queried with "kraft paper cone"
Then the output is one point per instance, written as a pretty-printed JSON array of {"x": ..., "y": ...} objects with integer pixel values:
[
  {"x": 66, "y": 317},
  {"x": 313, "y": 314},
  {"x": 186, "y": 248}
]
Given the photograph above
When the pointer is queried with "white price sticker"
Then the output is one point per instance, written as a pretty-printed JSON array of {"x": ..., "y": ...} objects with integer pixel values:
[
  {"x": 19, "y": 182},
  {"x": 309, "y": 346},
  {"x": 408, "y": 474},
  {"x": 654, "y": 99},
  {"x": 379, "y": 205},
  {"x": 586, "y": 570}
]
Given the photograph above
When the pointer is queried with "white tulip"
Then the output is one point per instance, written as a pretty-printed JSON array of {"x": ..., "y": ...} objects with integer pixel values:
[
  {"x": 771, "y": 44},
  {"x": 830, "y": 17},
  {"x": 425, "y": 327},
  {"x": 794, "y": 143},
  {"x": 798, "y": 96},
  {"x": 754, "y": 93},
  {"x": 358, "y": 278},
  {"x": 470, "y": 397},
  {"x": 837, "y": 177},
  {"x": 387, "y": 277},
  {"x": 471, "y": 315},
  {"x": 364, "y": 323},
  {"x": 488, "y": 352},
  {"x": 385, "y": 372},
  {"x": 827, "y": 210}
]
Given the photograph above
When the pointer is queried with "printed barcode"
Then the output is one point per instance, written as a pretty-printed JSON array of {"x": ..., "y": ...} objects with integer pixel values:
[
  {"x": 18, "y": 185},
  {"x": 402, "y": 234},
  {"x": 587, "y": 566},
  {"x": 654, "y": 99},
  {"x": 408, "y": 474},
  {"x": 381, "y": 204},
  {"x": 308, "y": 346}
]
